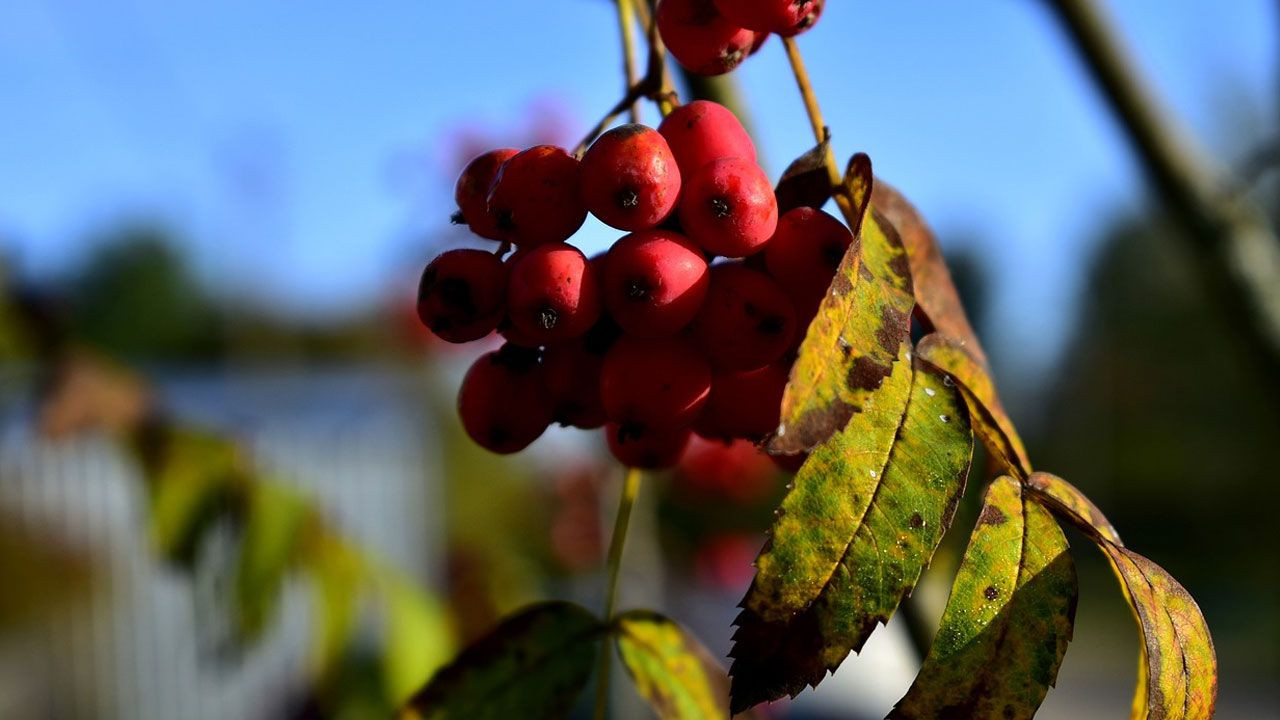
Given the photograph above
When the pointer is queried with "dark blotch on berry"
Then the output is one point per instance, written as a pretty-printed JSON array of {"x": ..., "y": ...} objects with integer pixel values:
[
  {"x": 548, "y": 318},
  {"x": 721, "y": 208}
]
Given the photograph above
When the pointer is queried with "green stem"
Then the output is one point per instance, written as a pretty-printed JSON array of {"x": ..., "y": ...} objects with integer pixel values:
[{"x": 630, "y": 490}]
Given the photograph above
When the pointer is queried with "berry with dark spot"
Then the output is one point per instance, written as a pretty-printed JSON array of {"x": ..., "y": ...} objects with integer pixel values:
[
  {"x": 744, "y": 405},
  {"x": 536, "y": 197},
  {"x": 630, "y": 179},
  {"x": 654, "y": 283},
  {"x": 652, "y": 385},
  {"x": 552, "y": 294},
  {"x": 462, "y": 293},
  {"x": 702, "y": 131},
  {"x": 573, "y": 377},
  {"x": 472, "y": 191},
  {"x": 729, "y": 207},
  {"x": 747, "y": 320},
  {"x": 783, "y": 17},
  {"x": 649, "y": 450},
  {"x": 503, "y": 402},
  {"x": 803, "y": 256},
  {"x": 702, "y": 40}
]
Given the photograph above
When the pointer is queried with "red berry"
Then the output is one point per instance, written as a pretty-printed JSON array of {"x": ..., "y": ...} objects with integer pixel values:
[
  {"x": 503, "y": 401},
  {"x": 552, "y": 294},
  {"x": 654, "y": 282},
  {"x": 784, "y": 17},
  {"x": 630, "y": 179},
  {"x": 729, "y": 208},
  {"x": 700, "y": 38},
  {"x": 472, "y": 192},
  {"x": 746, "y": 322},
  {"x": 702, "y": 131},
  {"x": 804, "y": 254},
  {"x": 744, "y": 405},
  {"x": 646, "y": 450},
  {"x": 535, "y": 197},
  {"x": 461, "y": 295},
  {"x": 736, "y": 471},
  {"x": 654, "y": 384},
  {"x": 573, "y": 377}
]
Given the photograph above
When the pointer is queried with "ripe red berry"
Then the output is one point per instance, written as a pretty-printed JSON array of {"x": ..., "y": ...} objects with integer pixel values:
[
  {"x": 652, "y": 385},
  {"x": 700, "y": 38},
  {"x": 647, "y": 450},
  {"x": 552, "y": 294},
  {"x": 729, "y": 208},
  {"x": 746, "y": 322},
  {"x": 503, "y": 401},
  {"x": 630, "y": 179},
  {"x": 654, "y": 282},
  {"x": 784, "y": 17},
  {"x": 744, "y": 405},
  {"x": 461, "y": 295},
  {"x": 472, "y": 192},
  {"x": 714, "y": 470},
  {"x": 536, "y": 197},
  {"x": 573, "y": 376},
  {"x": 804, "y": 254},
  {"x": 702, "y": 131}
]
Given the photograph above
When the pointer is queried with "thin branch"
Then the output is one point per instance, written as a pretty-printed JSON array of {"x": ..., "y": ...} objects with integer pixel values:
[
  {"x": 625, "y": 13},
  {"x": 820, "y": 130},
  {"x": 630, "y": 490},
  {"x": 1230, "y": 235}
]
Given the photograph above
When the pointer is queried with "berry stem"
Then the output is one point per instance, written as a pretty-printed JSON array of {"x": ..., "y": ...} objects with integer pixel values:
[
  {"x": 626, "y": 12},
  {"x": 630, "y": 490},
  {"x": 820, "y": 130},
  {"x": 666, "y": 95}
]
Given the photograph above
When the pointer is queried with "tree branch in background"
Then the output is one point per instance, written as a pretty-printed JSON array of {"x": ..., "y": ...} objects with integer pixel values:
[{"x": 1229, "y": 235}]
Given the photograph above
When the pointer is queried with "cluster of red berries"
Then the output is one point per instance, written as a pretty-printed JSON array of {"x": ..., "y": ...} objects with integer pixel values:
[
  {"x": 650, "y": 339},
  {"x": 712, "y": 37}
]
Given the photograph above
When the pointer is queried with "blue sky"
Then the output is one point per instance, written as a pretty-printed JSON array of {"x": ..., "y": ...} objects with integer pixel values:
[{"x": 300, "y": 148}]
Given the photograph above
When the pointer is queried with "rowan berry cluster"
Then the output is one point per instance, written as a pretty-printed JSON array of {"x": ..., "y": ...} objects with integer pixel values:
[
  {"x": 712, "y": 37},
  {"x": 689, "y": 323}
]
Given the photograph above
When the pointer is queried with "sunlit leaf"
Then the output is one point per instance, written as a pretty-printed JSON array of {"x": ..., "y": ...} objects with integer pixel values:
[
  {"x": 671, "y": 669},
  {"x": 853, "y": 342},
  {"x": 936, "y": 297},
  {"x": 336, "y": 573},
  {"x": 191, "y": 477},
  {"x": 864, "y": 517},
  {"x": 1065, "y": 499},
  {"x": 806, "y": 182},
  {"x": 1008, "y": 619},
  {"x": 533, "y": 666},
  {"x": 419, "y": 638},
  {"x": 277, "y": 519},
  {"x": 990, "y": 421},
  {"x": 1178, "y": 669}
]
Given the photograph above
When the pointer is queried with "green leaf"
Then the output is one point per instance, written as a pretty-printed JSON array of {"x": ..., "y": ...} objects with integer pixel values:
[
  {"x": 1008, "y": 619},
  {"x": 990, "y": 420},
  {"x": 861, "y": 522},
  {"x": 420, "y": 638},
  {"x": 533, "y": 666},
  {"x": 191, "y": 479},
  {"x": 269, "y": 549},
  {"x": 671, "y": 669},
  {"x": 1065, "y": 499},
  {"x": 1178, "y": 670},
  {"x": 336, "y": 572},
  {"x": 937, "y": 300},
  {"x": 853, "y": 341}
]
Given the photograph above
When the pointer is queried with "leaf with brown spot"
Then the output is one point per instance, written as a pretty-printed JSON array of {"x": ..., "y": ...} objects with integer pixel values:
[
  {"x": 533, "y": 665},
  {"x": 990, "y": 420},
  {"x": 671, "y": 669},
  {"x": 851, "y": 345},
  {"x": 806, "y": 182},
  {"x": 936, "y": 297},
  {"x": 1178, "y": 671},
  {"x": 862, "y": 520},
  {"x": 1065, "y": 499},
  {"x": 1008, "y": 620}
]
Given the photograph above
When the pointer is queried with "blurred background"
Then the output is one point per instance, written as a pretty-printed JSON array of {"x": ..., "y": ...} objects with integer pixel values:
[{"x": 225, "y": 207}]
